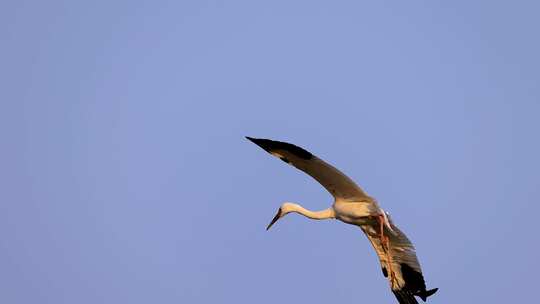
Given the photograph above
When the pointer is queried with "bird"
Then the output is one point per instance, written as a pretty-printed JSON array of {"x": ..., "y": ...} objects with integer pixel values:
[{"x": 352, "y": 205}]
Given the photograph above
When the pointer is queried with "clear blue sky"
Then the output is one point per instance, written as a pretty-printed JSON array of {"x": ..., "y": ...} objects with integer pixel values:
[{"x": 125, "y": 176}]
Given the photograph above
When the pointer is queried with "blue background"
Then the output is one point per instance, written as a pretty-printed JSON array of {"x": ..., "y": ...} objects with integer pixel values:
[{"x": 125, "y": 176}]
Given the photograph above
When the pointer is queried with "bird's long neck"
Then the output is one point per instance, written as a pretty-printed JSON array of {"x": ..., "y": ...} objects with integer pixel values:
[{"x": 316, "y": 215}]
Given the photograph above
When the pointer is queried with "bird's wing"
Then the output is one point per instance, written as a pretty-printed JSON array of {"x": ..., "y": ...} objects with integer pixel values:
[
  {"x": 399, "y": 264},
  {"x": 337, "y": 183}
]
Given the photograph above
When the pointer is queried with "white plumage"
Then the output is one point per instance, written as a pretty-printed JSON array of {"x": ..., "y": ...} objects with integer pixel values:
[{"x": 353, "y": 206}]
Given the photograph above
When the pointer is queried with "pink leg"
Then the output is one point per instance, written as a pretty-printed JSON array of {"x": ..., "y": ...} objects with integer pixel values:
[
  {"x": 384, "y": 239},
  {"x": 385, "y": 242}
]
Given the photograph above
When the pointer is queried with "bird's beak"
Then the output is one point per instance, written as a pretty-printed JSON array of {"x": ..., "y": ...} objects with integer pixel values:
[{"x": 278, "y": 215}]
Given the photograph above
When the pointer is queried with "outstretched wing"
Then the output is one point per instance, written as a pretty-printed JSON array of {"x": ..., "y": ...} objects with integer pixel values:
[
  {"x": 337, "y": 183},
  {"x": 399, "y": 264}
]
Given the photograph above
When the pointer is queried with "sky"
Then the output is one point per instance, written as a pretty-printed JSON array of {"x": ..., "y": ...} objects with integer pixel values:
[{"x": 126, "y": 177}]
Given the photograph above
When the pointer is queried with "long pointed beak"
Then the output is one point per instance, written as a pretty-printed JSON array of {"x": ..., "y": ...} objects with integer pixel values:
[{"x": 278, "y": 215}]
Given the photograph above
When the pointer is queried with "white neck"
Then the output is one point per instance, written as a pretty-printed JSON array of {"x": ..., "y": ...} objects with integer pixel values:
[{"x": 315, "y": 215}]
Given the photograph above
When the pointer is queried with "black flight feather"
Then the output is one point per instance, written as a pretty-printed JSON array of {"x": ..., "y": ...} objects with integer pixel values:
[{"x": 273, "y": 145}]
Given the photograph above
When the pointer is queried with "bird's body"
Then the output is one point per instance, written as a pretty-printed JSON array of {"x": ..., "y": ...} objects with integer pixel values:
[
  {"x": 353, "y": 206},
  {"x": 356, "y": 213}
]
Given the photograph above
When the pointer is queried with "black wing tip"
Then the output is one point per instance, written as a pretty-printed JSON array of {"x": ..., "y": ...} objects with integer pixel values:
[
  {"x": 414, "y": 282},
  {"x": 270, "y": 145},
  {"x": 407, "y": 297},
  {"x": 258, "y": 141},
  {"x": 404, "y": 297},
  {"x": 428, "y": 293},
  {"x": 431, "y": 292}
]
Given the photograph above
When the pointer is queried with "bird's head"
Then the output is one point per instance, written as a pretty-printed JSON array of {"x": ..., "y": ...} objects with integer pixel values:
[{"x": 282, "y": 211}]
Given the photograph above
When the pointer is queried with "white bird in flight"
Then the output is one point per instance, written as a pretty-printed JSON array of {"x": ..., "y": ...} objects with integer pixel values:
[{"x": 353, "y": 206}]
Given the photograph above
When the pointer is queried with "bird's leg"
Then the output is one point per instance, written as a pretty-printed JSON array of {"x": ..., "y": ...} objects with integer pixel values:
[
  {"x": 384, "y": 240},
  {"x": 385, "y": 243}
]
